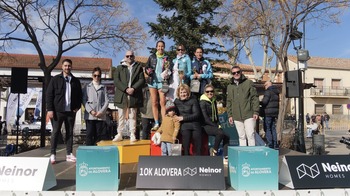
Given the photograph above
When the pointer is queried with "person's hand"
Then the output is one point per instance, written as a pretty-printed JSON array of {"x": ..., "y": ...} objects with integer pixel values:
[
  {"x": 130, "y": 91},
  {"x": 50, "y": 114},
  {"x": 256, "y": 117},
  {"x": 197, "y": 76},
  {"x": 165, "y": 74},
  {"x": 93, "y": 112},
  {"x": 98, "y": 114},
  {"x": 230, "y": 120},
  {"x": 179, "y": 118}
]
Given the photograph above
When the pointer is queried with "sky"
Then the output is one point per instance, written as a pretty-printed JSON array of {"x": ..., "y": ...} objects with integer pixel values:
[{"x": 328, "y": 41}]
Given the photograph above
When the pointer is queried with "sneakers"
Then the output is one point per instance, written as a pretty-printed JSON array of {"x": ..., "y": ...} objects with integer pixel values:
[
  {"x": 225, "y": 161},
  {"x": 213, "y": 152},
  {"x": 118, "y": 138},
  {"x": 71, "y": 158},
  {"x": 132, "y": 137},
  {"x": 53, "y": 159},
  {"x": 155, "y": 128}
]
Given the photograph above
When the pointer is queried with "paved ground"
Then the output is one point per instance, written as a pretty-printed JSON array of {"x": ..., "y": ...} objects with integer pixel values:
[
  {"x": 332, "y": 143},
  {"x": 65, "y": 172}
]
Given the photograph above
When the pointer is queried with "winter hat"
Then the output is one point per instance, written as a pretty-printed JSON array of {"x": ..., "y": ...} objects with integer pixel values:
[{"x": 169, "y": 105}]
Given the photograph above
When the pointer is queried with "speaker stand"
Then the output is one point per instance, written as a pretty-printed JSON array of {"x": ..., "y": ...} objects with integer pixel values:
[{"x": 17, "y": 123}]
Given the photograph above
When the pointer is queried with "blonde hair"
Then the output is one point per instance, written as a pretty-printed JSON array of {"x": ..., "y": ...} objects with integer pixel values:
[
  {"x": 209, "y": 86},
  {"x": 184, "y": 87}
]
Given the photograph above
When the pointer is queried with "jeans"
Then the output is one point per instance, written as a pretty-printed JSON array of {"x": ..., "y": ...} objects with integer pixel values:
[
  {"x": 95, "y": 132},
  {"x": 220, "y": 136},
  {"x": 146, "y": 128},
  {"x": 68, "y": 118},
  {"x": 270, "y": 131},
  {"x": 166, "y": 148}
]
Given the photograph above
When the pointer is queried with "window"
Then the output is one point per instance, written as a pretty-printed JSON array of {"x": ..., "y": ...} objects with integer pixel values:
[
  {"x": 336, "y": 83},
  {"x": 337, "y": 109},
  {"x": 319, "y": 109},
  {"x": 318, "y": 82}
]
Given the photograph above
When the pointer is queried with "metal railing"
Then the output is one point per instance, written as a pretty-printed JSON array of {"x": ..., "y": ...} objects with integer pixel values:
[{"x": 330, "y": 91}]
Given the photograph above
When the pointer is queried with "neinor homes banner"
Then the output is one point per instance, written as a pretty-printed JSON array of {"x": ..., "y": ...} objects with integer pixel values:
[
  {"x": 180, "y": 172},
  {"x": 321, "y": 171}
]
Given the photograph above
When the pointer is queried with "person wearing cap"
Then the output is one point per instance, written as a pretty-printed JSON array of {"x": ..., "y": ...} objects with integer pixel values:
[{"x": 169, "y": 129}]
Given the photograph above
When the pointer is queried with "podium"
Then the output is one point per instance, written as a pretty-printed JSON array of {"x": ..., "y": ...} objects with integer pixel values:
[
  {"x": 253, "y": 168},
  {"x": 97, "y": 168},
  {"x": 129, "y": 152}
]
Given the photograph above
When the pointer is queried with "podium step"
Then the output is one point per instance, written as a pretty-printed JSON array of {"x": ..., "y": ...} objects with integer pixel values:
[{"x": 129, "y": 152}]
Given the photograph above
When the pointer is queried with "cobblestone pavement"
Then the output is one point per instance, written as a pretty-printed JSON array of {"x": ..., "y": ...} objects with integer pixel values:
[{"x": 332, "y": 143}]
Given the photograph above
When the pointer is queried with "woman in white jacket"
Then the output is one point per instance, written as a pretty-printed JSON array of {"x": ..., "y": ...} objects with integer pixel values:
[{"x": 95, "y": 101}]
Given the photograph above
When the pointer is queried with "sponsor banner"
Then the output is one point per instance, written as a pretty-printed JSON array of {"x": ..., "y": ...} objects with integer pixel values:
[
  {"x": 321, "y": 171},
  {"x": 253, "y": 168},
  {"x": 26, "y": 174},
  {"x": 97, "y": 168},
  {"x": 180, "y": 172},
  {"x": 229, "y": 129}
]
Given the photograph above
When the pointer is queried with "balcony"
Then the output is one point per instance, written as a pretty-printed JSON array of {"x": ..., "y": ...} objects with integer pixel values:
[{"x": 328, "y": 91}]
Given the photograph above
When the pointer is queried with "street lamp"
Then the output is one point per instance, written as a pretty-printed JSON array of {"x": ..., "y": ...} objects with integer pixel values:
[{"x": 302, "y": 58}]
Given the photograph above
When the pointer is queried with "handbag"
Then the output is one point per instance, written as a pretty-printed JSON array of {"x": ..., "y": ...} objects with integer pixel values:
[
  {"x": 165, "y": 86},
  {"x": 195, "y": 85},
  {"x": 176, "y": 148}
]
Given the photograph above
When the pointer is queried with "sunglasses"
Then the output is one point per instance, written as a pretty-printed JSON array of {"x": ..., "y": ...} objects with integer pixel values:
[
  {"x": 129, "y": 56},
  {"x": 179, "y": 49},
  {"x": 96, "y": 76},
  {"x": 209, "y": 91},
  {"x": 237, "y": 72}
]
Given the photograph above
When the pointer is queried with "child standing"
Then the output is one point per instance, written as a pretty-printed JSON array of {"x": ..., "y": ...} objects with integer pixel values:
[{"x": 169, "y": 129}]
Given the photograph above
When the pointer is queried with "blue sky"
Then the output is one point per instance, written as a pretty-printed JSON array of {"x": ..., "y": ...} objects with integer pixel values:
[{"x": 328, "y": 41}]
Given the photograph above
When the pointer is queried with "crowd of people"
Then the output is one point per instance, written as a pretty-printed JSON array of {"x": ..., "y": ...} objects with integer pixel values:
[
  {"x": 317, "y": 123},
  {"x": 169, "y": 102}
]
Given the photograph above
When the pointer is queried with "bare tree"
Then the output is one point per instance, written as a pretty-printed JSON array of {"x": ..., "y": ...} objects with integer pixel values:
[
  {"x": 64, "y": 25},
  {"x": 274, "y": 20}
]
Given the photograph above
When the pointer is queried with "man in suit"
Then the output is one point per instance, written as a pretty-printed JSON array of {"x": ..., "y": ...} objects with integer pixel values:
[
  {"x": 63, "y": 98},
  {"x": 128, "y": 81}
]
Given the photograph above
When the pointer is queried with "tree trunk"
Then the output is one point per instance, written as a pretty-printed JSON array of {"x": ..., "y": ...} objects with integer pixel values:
[{"x": 46, "y": 81}]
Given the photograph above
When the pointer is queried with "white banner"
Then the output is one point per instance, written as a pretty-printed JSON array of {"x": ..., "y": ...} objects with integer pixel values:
[
  {"x": 12, "y": 105},
  {"x": 37, "y": 110},
  {"x": 26, "y": 174}
]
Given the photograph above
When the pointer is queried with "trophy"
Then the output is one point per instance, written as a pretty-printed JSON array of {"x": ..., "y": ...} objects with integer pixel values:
[{"x": 165, "y": 85}]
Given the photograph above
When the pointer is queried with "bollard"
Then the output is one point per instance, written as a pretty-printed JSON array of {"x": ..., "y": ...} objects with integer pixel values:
[{"x": 318, "y": 145}]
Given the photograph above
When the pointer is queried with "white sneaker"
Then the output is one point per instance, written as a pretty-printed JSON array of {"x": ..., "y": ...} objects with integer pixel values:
[
  {"x": 71, "y": 158},
  {"x": 53, "y": 159},
  {"x": 132, "y": 137},
  {"x": 118, "y": 138}
]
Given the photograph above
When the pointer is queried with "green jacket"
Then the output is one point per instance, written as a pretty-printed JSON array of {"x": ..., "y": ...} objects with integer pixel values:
[
  {"x": 242, "y": 100},
  {"x": 121, "y": 82}
]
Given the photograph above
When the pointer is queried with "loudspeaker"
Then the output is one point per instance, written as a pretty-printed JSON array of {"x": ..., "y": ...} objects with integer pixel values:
[
  {"x": 19, "y": 80},
  {"x": 293, "y": 83}
]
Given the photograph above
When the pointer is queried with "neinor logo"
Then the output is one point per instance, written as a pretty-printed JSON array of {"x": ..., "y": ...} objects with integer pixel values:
[
  {"x": 335, "y": 167},
  {"x": 6, "y": 171}
]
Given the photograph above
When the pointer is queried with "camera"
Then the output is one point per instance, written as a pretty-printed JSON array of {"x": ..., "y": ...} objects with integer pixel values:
[{"x": 345, "y": 140}]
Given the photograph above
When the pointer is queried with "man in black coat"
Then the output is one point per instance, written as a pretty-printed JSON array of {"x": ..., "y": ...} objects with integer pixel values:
[
  {"x": 63, "y": 97},
  {"x": 270, "y": 104}
]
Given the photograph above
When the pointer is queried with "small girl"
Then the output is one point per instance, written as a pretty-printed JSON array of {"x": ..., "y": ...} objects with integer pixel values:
[{"x": 168, "y": 129}]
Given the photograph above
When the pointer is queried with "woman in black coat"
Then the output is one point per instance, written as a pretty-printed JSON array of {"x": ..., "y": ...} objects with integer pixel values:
[
  {"x": 189, "y": 117},
  {"x": 211, "y": 121}
]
